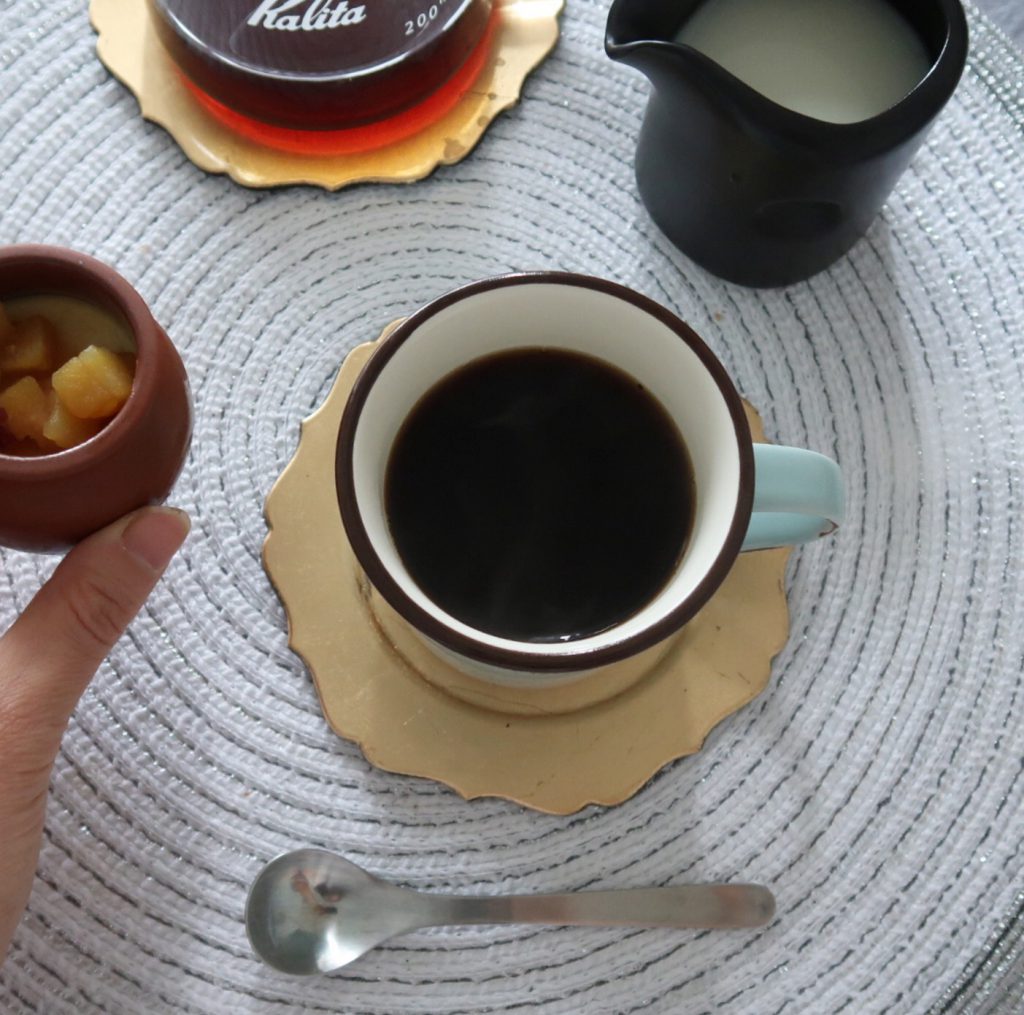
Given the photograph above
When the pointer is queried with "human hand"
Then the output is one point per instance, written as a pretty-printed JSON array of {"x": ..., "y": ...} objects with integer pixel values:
[{"x": 47, "y": 658}]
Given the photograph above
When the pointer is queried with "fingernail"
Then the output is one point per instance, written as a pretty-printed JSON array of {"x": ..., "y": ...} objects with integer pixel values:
[{"x": 155, "y": 534}]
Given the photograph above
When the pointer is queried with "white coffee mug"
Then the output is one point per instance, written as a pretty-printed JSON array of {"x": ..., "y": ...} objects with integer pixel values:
[{"x": 747, "y": 496}]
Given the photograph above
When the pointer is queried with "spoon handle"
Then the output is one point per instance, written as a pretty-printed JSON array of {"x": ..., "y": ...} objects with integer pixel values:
[{"x": 686, "y": 906}]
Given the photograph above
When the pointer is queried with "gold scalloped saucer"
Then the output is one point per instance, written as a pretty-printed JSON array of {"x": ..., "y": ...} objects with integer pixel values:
[
  {"x": 596, "y": 741},
  {"x": 525, "y": 32}
]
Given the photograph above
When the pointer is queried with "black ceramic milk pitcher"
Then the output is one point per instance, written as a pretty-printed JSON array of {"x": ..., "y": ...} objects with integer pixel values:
[{"x": 751, "y": 190}]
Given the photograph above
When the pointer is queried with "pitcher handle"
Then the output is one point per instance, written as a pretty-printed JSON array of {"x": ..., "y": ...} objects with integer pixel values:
[{"x": 798, "y": 496}]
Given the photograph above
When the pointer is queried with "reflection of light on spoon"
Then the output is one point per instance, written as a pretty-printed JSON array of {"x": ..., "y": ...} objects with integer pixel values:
[
  {"x": 305, "y": 922},
  {"x": 315, "y": 898}
]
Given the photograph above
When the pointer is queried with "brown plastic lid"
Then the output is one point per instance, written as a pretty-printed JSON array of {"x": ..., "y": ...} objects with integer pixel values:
[{"x": 320, "y": 64}]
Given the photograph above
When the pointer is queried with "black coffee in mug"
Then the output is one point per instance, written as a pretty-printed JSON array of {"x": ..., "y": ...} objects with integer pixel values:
[{"x": 539, "y": 495}]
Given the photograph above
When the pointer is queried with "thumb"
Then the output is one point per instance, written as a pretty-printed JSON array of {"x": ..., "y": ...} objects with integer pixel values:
[
  {"x": 50, "y": 653},
  {"x": 46, "y": 660}
]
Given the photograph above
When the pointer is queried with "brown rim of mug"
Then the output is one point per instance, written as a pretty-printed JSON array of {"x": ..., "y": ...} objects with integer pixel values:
[
  {"x": 84, "y": 277},
  {"x": 524, "y": 659}
]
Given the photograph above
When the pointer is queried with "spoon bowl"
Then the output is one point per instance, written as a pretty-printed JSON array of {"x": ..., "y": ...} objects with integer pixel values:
[{"x": 311, "y": 911}]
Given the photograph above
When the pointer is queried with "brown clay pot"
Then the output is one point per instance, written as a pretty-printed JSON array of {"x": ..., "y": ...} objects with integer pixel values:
[{"x": 47, "y": 503}]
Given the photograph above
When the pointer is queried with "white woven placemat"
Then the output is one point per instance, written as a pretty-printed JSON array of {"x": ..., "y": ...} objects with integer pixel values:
[{"x": 877, "y": 785}]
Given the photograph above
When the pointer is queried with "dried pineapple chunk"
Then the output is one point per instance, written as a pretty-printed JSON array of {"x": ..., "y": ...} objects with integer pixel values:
[
  {"x": 94, "y": 384},
  {"x": 29, "y": 348},
  {"x": 66, "y": 430},
  {"x": 25, "y": 408}
]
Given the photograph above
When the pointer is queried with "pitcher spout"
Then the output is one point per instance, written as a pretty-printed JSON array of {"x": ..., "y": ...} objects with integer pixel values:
[{"x": 641, "y": 34}]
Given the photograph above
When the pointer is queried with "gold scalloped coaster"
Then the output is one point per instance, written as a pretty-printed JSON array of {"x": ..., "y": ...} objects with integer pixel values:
[
  {"x": 525, "y": 31},
  {"x": 596, "y": 741}
]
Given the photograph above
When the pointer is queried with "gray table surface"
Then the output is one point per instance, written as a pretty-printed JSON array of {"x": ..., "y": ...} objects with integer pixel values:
[
  {"x": 1008, "y": 14},
  {"x": 997, "y": 986}
]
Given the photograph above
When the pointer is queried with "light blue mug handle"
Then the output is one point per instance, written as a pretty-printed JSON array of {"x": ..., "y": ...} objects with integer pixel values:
[{"x": 798, "y": 496}]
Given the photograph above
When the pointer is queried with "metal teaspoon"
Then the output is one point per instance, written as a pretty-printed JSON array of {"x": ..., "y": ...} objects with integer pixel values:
[{"x": 310, "y": 911}]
